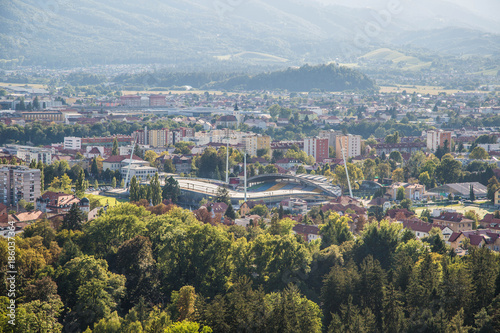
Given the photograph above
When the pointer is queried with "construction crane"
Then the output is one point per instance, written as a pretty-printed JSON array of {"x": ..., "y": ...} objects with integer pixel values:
[
  {"x": 129, "y": 165},
  {"x": 345, "y": 165}
]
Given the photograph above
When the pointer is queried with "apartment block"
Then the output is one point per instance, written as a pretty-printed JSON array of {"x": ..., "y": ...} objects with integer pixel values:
[
  {"x": 256, "y": 142},
  {"x": 18, "y": 182},
  {"x": 316, "y": 147},
  {"x": 350, "y": 143},
  {"x": 28, "y": 153},
  {"x": 330, "y": 135},
  {"x": 160, "y": 138},
  {"x": 72, "y": 142},
  {"x": 437, "y": 139}
]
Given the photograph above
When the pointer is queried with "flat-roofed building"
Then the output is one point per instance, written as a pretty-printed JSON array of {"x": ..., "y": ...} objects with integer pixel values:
[
  {"x": 18, "y": 182},
  {"x": 350, "y": 143}
]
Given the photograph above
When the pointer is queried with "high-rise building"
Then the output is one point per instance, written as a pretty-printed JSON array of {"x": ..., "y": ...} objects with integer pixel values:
[
  {"x": 317, "y": 148},
  {"x": 19, "y": 182},
  {"x": 330, "y": 135},
  {"x": 438, "y": 138},
  {"x": 160, "y": 138},
  {"x": 350, "y": 143},
  {"x": 256, "y": 142}
]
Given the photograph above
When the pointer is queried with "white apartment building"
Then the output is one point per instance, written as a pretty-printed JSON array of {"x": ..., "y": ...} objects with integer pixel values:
[
  {"x": 72, "y": 142},
  {"x": 28, "y": 153},
  {"x": 139, "y": 171},
  {"x": 350, "y": 143}
]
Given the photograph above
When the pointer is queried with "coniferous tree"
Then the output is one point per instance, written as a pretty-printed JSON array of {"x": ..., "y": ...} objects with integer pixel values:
[
  {"x": 80, "y": 183},
  {"x": 94, "y": 168},
  {"x": 74, "y": 219},
  {"x": 281, "y": 212},
  {"x": 171, "y": 190},
  {"x": 115, "y": 150},
  {"x": 134, "y": 190},
  {"x": 472, "y": 196},
  {"x": 156, "y": 192},
  {"x": 230, "y": 212},
  {"x": 113, "y": 182}
]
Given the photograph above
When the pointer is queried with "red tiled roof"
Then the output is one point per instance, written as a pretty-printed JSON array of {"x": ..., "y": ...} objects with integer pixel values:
[
  {"x": 452, "y": 217},
  {"x": 28, "y": 216},
  {"x": 306, "y": 229},
  {"x": 421, "y": 226},
  {"x": 59, "y": 198}
]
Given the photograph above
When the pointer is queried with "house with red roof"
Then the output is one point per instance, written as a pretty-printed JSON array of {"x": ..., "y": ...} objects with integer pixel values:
[
  {"x": 60, "y": 203},
  {"x": 27, "y": 216},
  {"x": 455, "y": 221},
  {"x": 309, "y": 232},
  {"x": 490, "y": 222},
  {"x": 422, "y": 229},
  {"x": 478, "y": 238}
]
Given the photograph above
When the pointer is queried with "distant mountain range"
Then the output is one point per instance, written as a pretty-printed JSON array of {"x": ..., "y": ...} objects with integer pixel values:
[{"x": 223, "y": 33}]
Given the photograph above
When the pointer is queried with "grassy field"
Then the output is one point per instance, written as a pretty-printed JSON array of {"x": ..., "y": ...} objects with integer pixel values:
[
  {"x": 24, "y": 85},
  {"x": 106, "y": 200},
  {"x": 459, "y": 208},
  {"x": 433, "y": 90},
  {"x": 255, "y": 56},
  {"x": 398, "y": 59}
]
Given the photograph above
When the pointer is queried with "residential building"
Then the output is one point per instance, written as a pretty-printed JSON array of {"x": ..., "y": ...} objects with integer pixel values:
[
  {"x": 295, "y": 205},
  {"x": 331, "y": 135},
  {"x": 309, "y": 232},
  {"x": 412, "y": 191},
  {"x": 496, "y": 198},
  {"x": 115, "y": 162},
  {"x": 403, "y": 147},
  {"x": 60, "y": 203},
  {"x": 438, "y": 138},
  {"x": 142, "y": 173},
  {"x": 317, "y": 148},
  {"x": 455, "y": 221},
  {"x": 477, "y": 238},
  {"x": 247, "y": 206},
  {"x": 490, "y": 222},
  {"x": 55, "y": 116},
  {"x": 72, "y": 142},
  {"x": 107, "y": 141},
  {"x": 256, "y": 142},
  {"x": 28, "y": 153},
  {"x": 229, "y": 121},
  {"x": 157, "y": 100},
  {"x": 130, "y": 100},
  {"x": 422, "y": 229},
  {"x": 160, "y": 138},
  {"x": 19, "y": 182},
  {"x": 351, "y": 145}
]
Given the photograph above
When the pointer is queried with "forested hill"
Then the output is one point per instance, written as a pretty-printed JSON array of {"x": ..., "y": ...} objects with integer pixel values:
[{"x": 306, "y": 78}]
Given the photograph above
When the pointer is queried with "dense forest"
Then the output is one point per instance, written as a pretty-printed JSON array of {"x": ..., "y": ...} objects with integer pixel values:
[
  {"x": 306, "y": 78},
  {"x": 158, "y": 269}
]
